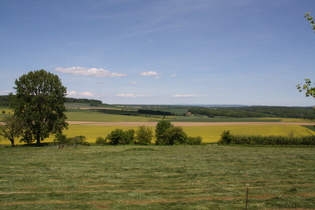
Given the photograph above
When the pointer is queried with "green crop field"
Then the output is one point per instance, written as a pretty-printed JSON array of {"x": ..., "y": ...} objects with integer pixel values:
[
  {"x": 157, "y": 177},
  {"x": 102, "y": 117}
]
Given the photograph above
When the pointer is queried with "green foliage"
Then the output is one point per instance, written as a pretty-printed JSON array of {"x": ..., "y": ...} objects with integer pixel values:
[
  {"x": 144, "y": 135},
  {"x": 167, "y": 134},
  {"x": 62, "y": 139},
  {"x": 154, "y": 112},
  {"x": 193, "y": 140},
  {"x": 5, "y": 100},
  {"x": 39, "y": 105},
  {"x": 160, "y": 130},
  {"x": 100, "y": 140},
  {"x": 307, "y": 87},
  {"x": 118, "y": 136},
  {"x": 228, "y": 138},
  {"x": 310, "y": 19},
  {"x": 129, "y": 136},
  {"x": 175, "y": 136},
  {"x": 81, "y": 140},
  {"x": 11, "y": 129},
  {"x": 255, "y": 111}
]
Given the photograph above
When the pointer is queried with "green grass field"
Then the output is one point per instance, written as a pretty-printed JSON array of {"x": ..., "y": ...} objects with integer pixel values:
[{"x": 157, "y": 177}]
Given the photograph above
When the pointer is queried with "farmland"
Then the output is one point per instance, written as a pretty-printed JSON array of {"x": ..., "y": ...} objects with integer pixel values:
[
  {"x": 93, "y": 122},
  {"x": 207, "y": 176},
  {"x": 157, "y": 177}
]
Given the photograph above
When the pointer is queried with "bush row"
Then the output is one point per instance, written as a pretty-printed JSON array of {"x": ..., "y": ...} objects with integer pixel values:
[
  {"x": 166, "y": 134},
  {"x": 228, "y": 138},
  {"x": 62, "y": 139}
]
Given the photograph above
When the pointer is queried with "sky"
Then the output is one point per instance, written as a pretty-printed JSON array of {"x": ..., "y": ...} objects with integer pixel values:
[{"x": 249, "y": 52}]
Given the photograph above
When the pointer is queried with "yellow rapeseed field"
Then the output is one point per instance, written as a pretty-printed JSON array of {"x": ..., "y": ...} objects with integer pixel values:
[{"x": 210, "y": 134}]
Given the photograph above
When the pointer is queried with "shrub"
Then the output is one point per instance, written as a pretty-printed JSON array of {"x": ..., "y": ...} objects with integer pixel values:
[
  {"x": 175, "y": 135},
  {"x": 144, "y": 135},
  {"x": 81, "y": 140},
  {"x": 118, "y": 136},
  {"x": 100, "y": 140},
  {"x": 160, "y": 131},
  {"x": 226, "y": 137},
  {"x": 129, "y": 136},
  {"x": 194, "y": 140},
  {"x": 167, "y": 134},
  {"x": 61, "y": 138}
]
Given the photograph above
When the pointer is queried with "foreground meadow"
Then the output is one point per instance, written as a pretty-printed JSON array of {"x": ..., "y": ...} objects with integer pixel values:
[{"x": 157, "y": 177}]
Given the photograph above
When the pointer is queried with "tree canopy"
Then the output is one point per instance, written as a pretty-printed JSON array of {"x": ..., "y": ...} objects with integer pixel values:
[{"x": 39, "y": 104}]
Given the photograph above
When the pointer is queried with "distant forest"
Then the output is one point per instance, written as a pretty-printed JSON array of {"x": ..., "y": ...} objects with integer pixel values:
[
  {"x": 231, "y": 112},
  {"x": 5, "y": 101},
  {"x": 255, "y": 111}
]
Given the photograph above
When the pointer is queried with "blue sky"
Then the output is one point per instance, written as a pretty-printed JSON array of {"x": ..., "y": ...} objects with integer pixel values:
[{"x": 250, "y": 52}]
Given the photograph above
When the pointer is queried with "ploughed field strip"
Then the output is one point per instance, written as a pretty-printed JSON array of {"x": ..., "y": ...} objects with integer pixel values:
[{"x": 157, "y": 177}]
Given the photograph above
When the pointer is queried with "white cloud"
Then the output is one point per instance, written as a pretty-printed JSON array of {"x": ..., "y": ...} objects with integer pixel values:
[
  {"x": 88, "y": 94},
  {"x": 173, "y": 75},
  {"x": 157, "y": 77},
  {"x": 89, "y": 72},
  {"x": 71, "y": 93},
  {"x": 130, "y": 95},
  {"x": 82, "y": 94},
  {"x": 132, "y": 83},
  {"x": 186, "y": 96},
  {"x": 149, "y": 73},
  {"x": 5, "y": 92}
]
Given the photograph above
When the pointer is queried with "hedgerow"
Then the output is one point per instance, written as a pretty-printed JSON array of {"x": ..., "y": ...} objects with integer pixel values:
[{"x": 227, "y": 138}]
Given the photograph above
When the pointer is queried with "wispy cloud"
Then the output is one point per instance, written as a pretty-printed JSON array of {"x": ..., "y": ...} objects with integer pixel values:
[
  {"x": 187, "y": 96},
  {"x": 82, "y": 94},
  {"x": 149, "y": 73},
  {"x": 173, "y": 75},
  {"x": 130, "y": 95},
  {"x": 5, "y": 92},
  {"x": 94, "y": 72},
  {"x": 87, "y": 94},
  {"x": 71, "y": 93},
  {"x": 132, "y": 82}
]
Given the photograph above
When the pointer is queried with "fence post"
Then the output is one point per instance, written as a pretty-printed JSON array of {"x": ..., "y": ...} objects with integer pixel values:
[{"x": 246, "y": 198}]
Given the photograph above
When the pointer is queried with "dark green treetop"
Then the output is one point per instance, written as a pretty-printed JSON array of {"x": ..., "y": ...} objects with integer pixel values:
[{"x": 39, "y": 104}]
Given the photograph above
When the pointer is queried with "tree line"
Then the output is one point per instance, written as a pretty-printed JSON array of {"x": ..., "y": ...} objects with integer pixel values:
[
  {"x": 256, "y": 111},
  {"x": 154, "y": 112},
  {"x": 5, "y": 100}
]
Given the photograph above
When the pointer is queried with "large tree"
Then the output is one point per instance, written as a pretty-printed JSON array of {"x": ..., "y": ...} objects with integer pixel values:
[{"x": 39, "y": 104}]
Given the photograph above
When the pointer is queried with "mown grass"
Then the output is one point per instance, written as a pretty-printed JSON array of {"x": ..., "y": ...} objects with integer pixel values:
[{"x": 157, "y": 177}]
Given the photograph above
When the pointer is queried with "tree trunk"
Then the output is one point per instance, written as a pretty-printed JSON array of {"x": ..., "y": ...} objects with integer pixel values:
[
  {"x": 38, "y": 139},
  {"x": 12, "y": 142}
]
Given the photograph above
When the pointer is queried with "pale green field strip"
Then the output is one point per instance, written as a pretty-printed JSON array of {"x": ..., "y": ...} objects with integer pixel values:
[{"x": 210, "y": 134}]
